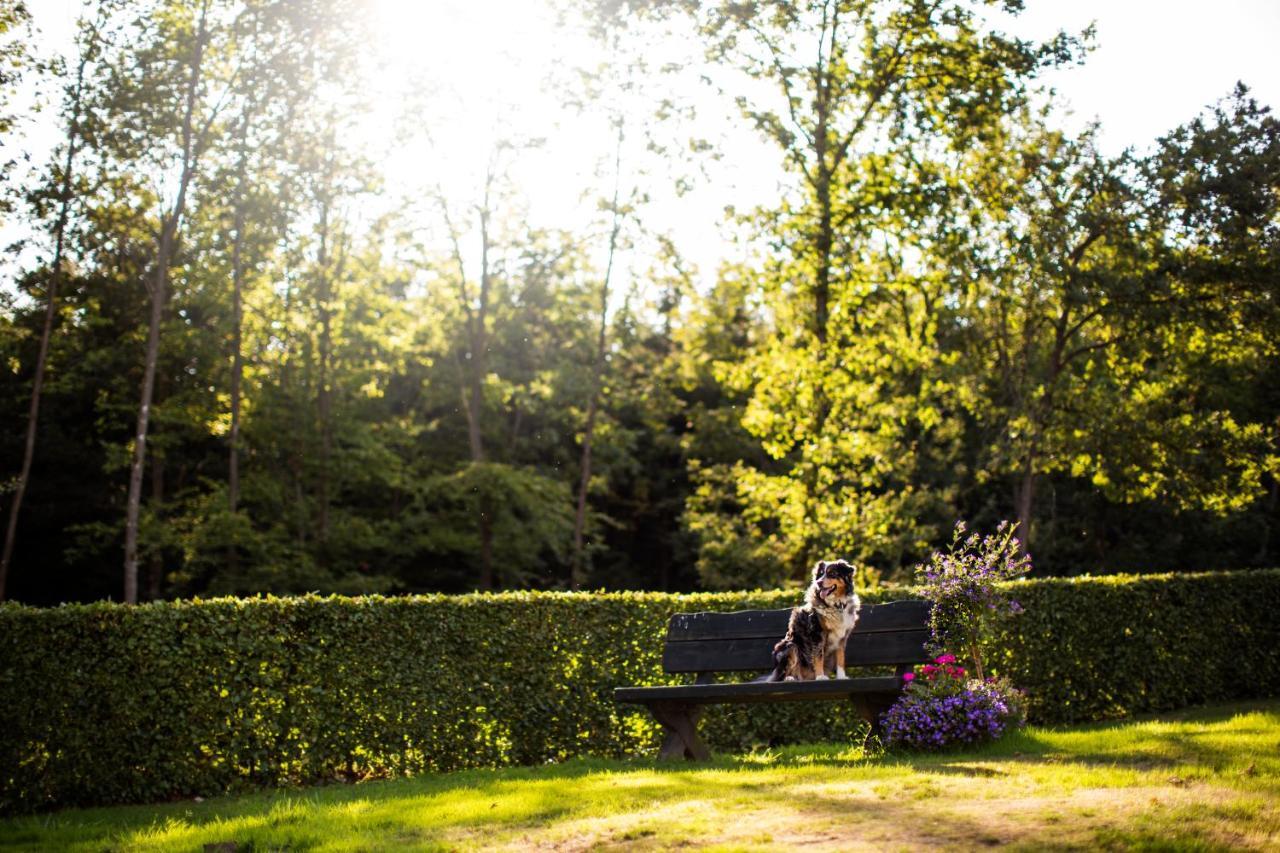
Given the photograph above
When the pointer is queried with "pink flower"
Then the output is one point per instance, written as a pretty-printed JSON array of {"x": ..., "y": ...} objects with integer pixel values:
[
  {"x": 946, "y": 659},
  {"x": 908, "y": 676}
]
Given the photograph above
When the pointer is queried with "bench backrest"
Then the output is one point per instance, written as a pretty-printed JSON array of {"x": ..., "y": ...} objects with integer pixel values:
[{"x": 892, "y": 634}]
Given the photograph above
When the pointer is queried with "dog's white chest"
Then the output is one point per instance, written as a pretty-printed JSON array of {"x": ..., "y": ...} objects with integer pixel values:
[
  {"x": 850, "y": 617},
  {"x": 838, "y": 631}
]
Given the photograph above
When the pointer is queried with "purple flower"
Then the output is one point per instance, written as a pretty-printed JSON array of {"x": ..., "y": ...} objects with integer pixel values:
[{"x": 934, "y": 715}]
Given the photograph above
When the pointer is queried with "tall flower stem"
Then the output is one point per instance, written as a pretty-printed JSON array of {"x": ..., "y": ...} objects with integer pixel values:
[{"x": 977, "y": 659}]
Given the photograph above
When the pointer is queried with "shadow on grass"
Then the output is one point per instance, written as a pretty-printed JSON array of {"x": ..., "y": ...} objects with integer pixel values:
[{"x": 1141, "y": 743}]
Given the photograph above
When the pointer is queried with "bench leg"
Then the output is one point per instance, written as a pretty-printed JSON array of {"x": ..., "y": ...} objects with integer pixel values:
[
  {"x": 680, "y": 721},
  {"x": 870, "y": 708}
]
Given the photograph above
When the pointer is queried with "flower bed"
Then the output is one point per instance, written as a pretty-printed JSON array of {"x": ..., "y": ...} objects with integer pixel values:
[{"x": 943, "y": 707}]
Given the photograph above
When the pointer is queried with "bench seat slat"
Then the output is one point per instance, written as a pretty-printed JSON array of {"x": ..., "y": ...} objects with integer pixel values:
[
  {"x": 757, "y": 691},
  {"x": 686, "y": 627},
  {"x": 755, "y": 653}
]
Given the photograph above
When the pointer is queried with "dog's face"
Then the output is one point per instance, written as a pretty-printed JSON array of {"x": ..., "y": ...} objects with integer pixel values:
[{"x": 833, "y": 580}]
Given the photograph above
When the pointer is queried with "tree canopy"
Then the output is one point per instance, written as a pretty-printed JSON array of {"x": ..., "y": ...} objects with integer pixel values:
[{"x": 235, "y": 364}]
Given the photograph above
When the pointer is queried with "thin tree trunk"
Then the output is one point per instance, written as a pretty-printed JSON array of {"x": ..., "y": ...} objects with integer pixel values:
[
  {"x": 1263, "y": 557},
  {"x": 237, "y": 307},
  {"x": 155, "y": 570},
  {"x": 479, "y": 367},
  {"x": 300, "y": 501},
  {"x": 576, "y": 569},
  {"x": 46, "y": 332},
  {"x": 294, "y": 462},
  {"x": 160, "y": 280},
  {"x": 1023, "y": 498},
  {"x": 516, "y": 420},
  {"x": 480, "y": 343},
  {"x": 824, "y": 244},
  {"x": 144, "y": 420},
  {"x": 322, "y": 385},
  {"x": 825, "y": 172},
  {"x": 237, "y": 372},
  {"x": 472, "y": 373},
  {"x": 237, "y": 324}
]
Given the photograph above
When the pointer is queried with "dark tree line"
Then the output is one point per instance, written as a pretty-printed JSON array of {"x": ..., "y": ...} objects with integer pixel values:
[{"x": 227, "y": 372}]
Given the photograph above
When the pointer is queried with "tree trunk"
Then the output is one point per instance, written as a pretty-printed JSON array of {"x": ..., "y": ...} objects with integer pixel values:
[
  {"x": 1023, "y": 496},
  {"x": 160, "y": 280},
  {"x": 237, "y": 372},
  {"x": 323, "y": 402},
  {"x": 824, "y": 243},
  {"x": 479, "y": 367},
  {"x": 1263, "y": 557},
  {"x": 155, "y": 569},
  {"x": 237, "y": 325},
  {"x": 825, "y": 172},
  {"x": 144, "y": 418},
  {"x": 46, "y": 332},
  {"x": 300, "y": 500},
  {"x": 577, "y": 566},
  {"x": 576, "y": 569},
  {"x": 472, "y": 369}
]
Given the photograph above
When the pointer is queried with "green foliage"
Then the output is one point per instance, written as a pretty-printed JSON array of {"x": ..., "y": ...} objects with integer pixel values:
[
  {"x": 852, "y": 387},
  {"x": 532, "y": 521},
  {"x": 950, "y": 309},
  {"x": 106, "y": 704},
  {"x": 16, "y": 57},
  {"x": 1100, "y": 648}
]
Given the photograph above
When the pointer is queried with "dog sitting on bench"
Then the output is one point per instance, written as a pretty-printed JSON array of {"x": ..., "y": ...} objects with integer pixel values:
[{"x": 818, "y": 630}]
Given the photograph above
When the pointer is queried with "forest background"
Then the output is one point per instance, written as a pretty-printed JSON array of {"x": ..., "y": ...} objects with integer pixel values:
[{"x": 237, "y": 357}]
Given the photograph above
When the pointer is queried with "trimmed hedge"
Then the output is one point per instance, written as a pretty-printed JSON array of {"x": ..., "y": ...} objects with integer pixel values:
[
  {"x": 104, "y": 704},
  {"x": 1107, "y": 647}
]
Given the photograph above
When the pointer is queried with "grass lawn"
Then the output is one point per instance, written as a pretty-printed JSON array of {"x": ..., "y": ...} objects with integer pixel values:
[{"x": 1201, "y": 779}]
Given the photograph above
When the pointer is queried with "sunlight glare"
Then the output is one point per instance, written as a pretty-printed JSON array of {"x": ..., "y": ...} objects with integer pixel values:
[{"x": 459, "y": 78}]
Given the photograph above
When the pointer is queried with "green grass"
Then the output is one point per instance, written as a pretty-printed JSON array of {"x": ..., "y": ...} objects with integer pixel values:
[{"x": 1204, "y": 779}]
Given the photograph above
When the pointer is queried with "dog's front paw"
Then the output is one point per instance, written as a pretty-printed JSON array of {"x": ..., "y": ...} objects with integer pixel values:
[
  {"x": 789, "y": 678},
  {"x": 822, "y": 676},
  {"x": 840, "y": 673}
]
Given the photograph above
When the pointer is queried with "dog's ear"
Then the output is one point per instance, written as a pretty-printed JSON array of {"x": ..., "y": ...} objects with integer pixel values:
[{"x": 818, "y": 569}]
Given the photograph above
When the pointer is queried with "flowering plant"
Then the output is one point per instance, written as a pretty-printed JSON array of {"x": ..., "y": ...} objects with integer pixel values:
[
  {"x": 961, "y": 584},
  {"x": 941, "y": 706}
]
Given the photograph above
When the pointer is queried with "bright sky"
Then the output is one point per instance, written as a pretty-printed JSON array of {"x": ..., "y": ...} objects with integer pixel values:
[
  {"x": 482, "y": 65},
  {"x": 1158, "y": 62}
]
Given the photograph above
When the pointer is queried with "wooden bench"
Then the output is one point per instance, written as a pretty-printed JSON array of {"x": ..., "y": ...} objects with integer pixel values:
[{"x": 887, "y": 635}]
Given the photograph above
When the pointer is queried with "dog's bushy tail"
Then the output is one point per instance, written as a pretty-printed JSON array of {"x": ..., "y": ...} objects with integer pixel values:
[{"x": 780, "y": 654}]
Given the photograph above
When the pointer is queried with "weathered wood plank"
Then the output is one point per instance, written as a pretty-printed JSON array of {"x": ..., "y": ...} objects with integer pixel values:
[
  {"x": 687, "y": 627},
  {"x": 761, "y": 691},
  {"x": 756, "y": 653}
]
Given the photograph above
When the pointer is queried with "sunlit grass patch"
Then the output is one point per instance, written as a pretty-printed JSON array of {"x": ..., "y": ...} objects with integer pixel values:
[{"x": 1206, "y": 779}]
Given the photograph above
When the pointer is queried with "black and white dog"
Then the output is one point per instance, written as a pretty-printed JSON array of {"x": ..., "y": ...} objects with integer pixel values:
[{"x": 819, "y": 629}]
